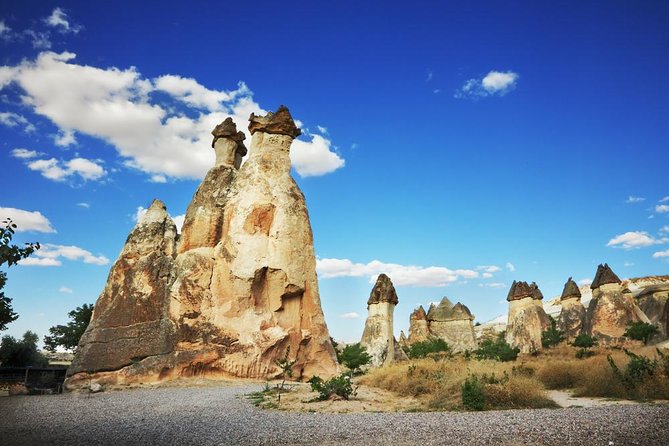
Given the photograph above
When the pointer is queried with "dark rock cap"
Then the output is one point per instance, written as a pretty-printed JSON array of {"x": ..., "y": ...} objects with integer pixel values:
[
  {"x": 521, "y": 290},
  {"x": 570, "y": 290},
  {"x": 418, "y": 314},
  {"x": 279, "y": 123},
  {"x": 442, "y": 311},
  {"x": 604, "y": 276},
  {"x": 536, "y": 292},
  {"x": 228, "y": 129},
  {"x": 383, "y": 291}
]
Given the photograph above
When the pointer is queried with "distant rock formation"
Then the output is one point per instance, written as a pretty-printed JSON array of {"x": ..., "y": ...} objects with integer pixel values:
[
  {"x": 418, "y": 328},
  {"x": 452, "y": 323},
  {"x": 527, "y": 318},
  {"x": 378, "y": 338},
  {"x": 611, "y": 309},
  {"x": 653, "y": 301},
  {"x": 236, "y": 292},
  {"x": 572, "y": 316}
]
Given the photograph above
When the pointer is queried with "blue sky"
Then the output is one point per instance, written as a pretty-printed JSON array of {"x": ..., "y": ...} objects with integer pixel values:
[{"x": 456, "y": 146}]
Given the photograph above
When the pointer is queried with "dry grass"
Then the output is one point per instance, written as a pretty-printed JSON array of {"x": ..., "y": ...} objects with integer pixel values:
[{"x": 439, "y": 383}]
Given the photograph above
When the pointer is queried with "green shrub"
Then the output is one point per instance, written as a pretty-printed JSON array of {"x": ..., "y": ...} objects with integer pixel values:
[
  {"x": 354, "y": 356},
  {"x": 473, "y": 395},
  {"x": 584, "y": 341},
  {"x": 552, "y": 336},
  {"x": 424, "y": 348},
  {"x": 641, "y": 331},
  {"x": 498, "y": 350},
  {"x": 339, "y": 385},
  {"x": 638, "y": 369}
]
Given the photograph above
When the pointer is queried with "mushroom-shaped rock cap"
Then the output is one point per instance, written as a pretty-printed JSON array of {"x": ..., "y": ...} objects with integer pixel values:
[
  {"x": 536, "y": 292},
  {"x": 418, "y": 314},
  {"x": 570, "y": 290},
  {"x": 442, "y": 311},
  {"x": 383, "y": 291},
  {"x": 520, "y": 290},
  {"x": 280, "y": 123},
  {"x": 228, "y": 129},
  {"x": 604, "y": 276}
]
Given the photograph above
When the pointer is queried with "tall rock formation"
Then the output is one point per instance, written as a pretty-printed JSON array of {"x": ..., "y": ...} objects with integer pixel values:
[
  {"x": 418, "y": 328},
  {"x": 527, "y": 318},
  {"x": 237, "y": 292},
  {"x": 378, "y": 336},
  {"x": 572, "y": 316},
  {"x": 453, "y": 324},
  {"x": 653, "y": 301},
  {"x": 611, "y": 309}
]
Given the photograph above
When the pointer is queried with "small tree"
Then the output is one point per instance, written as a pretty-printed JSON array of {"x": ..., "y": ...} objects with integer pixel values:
[
  {"x": 641, "y": 331},
  {"x": 10, "y": 254},
  {"x": 67, "y": 336},
  {"x": 552, "y": 336},
  {"x": 21, "y": 353},
  {"x": 473, "y": 394},
  {"x": 499, "y": 350},
  {"x": 429, "y": 346},
  {"x": 286, "y": 366},
  {"x": 354, "y": 356},
  {"x": 584, "y": 342}
]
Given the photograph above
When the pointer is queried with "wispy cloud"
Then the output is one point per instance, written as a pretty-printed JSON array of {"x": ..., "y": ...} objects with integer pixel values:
[
  {"x": 495, "y": 83},
  {"x": 52, "y": 255},
  {"x": 661, "y": 254},
  {"x": 493, "y": 285},
  {"x": 634, "y": 240},
  {"x": 352, "y": 315},
  {"x": 662, "y": 208},
  {"x": 632, "y": 199},
  {"x": 65, "y": 290},
  {"x": 61, "y": 22},
  {"x": 510, "y": 266},
  {"x": 27, "y": 220}
]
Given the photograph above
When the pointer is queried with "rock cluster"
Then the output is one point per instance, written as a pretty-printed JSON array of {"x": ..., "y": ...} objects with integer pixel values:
[
  {"x": 378, "y": 338},
  {"x": 571, "y": 318},
  {"x": 233, "y": 293},
  {"x": 527, "y": 318},
  {"x": 452, "y": 323},
  {"x": 653, "y": 301}
]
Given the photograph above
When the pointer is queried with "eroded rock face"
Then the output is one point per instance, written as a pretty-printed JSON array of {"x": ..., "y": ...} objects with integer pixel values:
[
  {"x": 527, "y": 318},
  {"x": 418, "y": 328},
  {"x": 130, "y": 321},
  {"x": 237, "y": 292},
  {"x": 453, "y": 324},
  {"x": 378, "y": 336},
  {"x": 611, "y": 309},
  {"x": 572, "y": 316},
  {"x": 652, "y": 300}
]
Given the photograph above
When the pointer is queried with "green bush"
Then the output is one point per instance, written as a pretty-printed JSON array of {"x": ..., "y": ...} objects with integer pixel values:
[
  {"x": 354, "y": 356},
  {"x": 473, "y": 395},
  {"x": 498, "y": 350},
  {"x": 584, "y": 341},
  {"x": 638, "y": 369},
  {"x": 641, "y": 331},
  {"x": 424, "y": 348},
  {"x": 552, "y": 336},
  {"x": 339, "y": 385}
]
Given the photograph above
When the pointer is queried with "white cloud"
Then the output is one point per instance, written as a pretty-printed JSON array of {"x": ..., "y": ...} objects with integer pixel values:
[
  {"x": 634, "y": 239},
  {"x": 662, "y": 200},
  {"x": 510, "y": 266},
  {"x": 352, "y": 315},
  {"x": 322, "y": 129},
  {"x": 5, "y": 31},
  {"x": 585, "y": 282},
  {"x": 120, "y": 107},
  {"x": 632, "y": 199},
  {"x": 662, "y": 208},
  {"x": 65, "y": 138},
  {"x": 27, "y": 220},
  {"x": 628, "y": 264},
  {"x": 41, "y": 40},
  {"x": 84, "y": 205},
  {"x": 65, "y": 289},
  {"x": 493, "y": 285},
  {"x": 664, "y": 229},
  {"x": 50, "y": 255},
  {"x": 661, "y": 254},
  {"x": 24, "y": 154},
  {"x": 59, "y": 20},
  {"x": 489, "y": 268},
  {"x": 494, "y": 83},
  {"x": 158, "y": 179},
  {"x": 58, "y": 171},
  {"x": 487, "y": 275},
  {"x": 401, "y": 275}
]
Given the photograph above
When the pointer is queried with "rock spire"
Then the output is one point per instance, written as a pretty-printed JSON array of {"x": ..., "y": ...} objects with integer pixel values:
[{"x": 527, "y": 318}]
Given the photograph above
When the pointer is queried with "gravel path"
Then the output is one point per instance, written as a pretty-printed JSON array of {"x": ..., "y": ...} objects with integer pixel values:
[{"x": 221, "y": 415}]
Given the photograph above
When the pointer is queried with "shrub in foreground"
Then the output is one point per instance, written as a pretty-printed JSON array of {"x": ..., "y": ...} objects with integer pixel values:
[
  {"x": 354, "y": 356},
  {"x": 339, "y": 385},
  {"x": 473, "y": 397},
  {"x": 499, "y": 350}
]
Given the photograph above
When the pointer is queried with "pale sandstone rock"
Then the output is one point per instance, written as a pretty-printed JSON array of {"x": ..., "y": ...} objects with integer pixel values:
[
  {"x": 652, "y": 300},
  {"x": 527, "y": 318},
  {"x": 237, "y": 293},
  {"x": 453, "y": 324},
  {"x": 572, "y": 315},
  {"x": 418, "y": 328},
  {"x": 377, "y": 337}
]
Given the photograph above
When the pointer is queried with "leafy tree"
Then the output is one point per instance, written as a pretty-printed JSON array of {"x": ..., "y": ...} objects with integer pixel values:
[
  {"x": 584, "y": 342},
  {"x": 552, "y": 336},
  {"x": 10, "y": 254},
  {"x": 286, "y": 366},
  {"x": 354, "y": 356},
  {"x": 21, "y": 353},
  {"x": 67, "y": 336},
  {"x": 423, "y": 348},
  {"x": 339, "y": 385},
  {"x": 497, "y": 349},
  {"x": 641, "y": 331}
]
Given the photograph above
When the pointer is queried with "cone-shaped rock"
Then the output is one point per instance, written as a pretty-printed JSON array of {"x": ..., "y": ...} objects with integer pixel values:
[
  {"x": 378, "y": 336},
  {"x": 130, "y": 321},
  {"x": 527, "y": 318},
  {"x": 453, "y": 324},
  {"x": 418, "y": 326},
  {"x": 572, "y": 315},
  {"x": 610, "y": 310}
]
